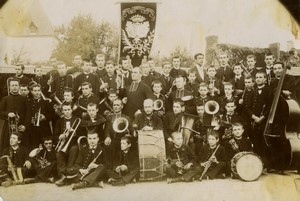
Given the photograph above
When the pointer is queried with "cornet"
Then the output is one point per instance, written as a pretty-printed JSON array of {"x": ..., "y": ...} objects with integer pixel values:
[
  {"x": 57, "y": 107},
  {"x": 212, "y": 86},
  {"x": 43, "y": 162}
]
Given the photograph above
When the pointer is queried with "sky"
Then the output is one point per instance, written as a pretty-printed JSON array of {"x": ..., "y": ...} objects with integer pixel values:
[{"x": 186, "y": 23}]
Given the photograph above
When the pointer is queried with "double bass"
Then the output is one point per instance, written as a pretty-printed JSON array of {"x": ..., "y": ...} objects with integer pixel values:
[{"x": 282, "y": 130}]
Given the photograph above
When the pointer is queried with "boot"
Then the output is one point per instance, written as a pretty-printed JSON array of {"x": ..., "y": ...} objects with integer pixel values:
[
  {"x": 61, "y": 181},
  {"x": 173, "y": 180},
  {"x": 82, "y": 184}
]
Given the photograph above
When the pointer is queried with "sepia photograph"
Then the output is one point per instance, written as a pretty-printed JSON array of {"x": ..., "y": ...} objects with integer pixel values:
[{"x": 142, "y": 100}]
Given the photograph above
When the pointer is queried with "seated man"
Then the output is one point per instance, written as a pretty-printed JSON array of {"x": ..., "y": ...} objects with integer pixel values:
[
  {"x": 90, "y": 163},
  {"x": 126, "y": 165},
  {"x": 147, "y": 120}
]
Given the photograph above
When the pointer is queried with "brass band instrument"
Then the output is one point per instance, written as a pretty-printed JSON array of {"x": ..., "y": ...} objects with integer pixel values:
[
  {"x": 90, "y": 169},
  {"x": 51, "y": 81},
  {"x": 42, "y": 95},
  {"x": 103, "y": 101},
  {"x": 43, "y": 162},
  {"x": 37, "y": 118},
  {"x": 13, "y": 124},
  {"x": 57, "y": 107},
  {"x": 211, "y": 107},
  {"x": 158, "y": 104},
  {"x": 120, "y": 125},
  {"x": 16, "y": 172},
  {"x": 64, "y": 143},
  {"x": 102, "y": 83},
  {"x": 207, "y": 166},
  {"x": 212, "y": 86},
  {"x": 171, "y": 89}
]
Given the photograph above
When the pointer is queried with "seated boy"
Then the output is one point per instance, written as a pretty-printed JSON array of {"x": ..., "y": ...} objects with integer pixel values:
[
  {"x": 126, "y": 165},
  {"x": 18, "y": 156},
  {"x": 212, "y": 158},
  {"x": 43, "y": 161},
  {"x": 180, "y": 160},
  {"x": 91, "y": 163},
  {"x": 237, "y": 143}
]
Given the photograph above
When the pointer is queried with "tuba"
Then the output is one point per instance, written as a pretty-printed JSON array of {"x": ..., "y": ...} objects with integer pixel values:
[
  {"x": 211, "y": 107},
  {"x": 120, "y": 125},
  {"x": 63, "y": 144},
  {"x": 158, "y": 104}
]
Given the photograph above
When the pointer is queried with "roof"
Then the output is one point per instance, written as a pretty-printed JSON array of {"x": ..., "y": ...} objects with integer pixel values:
[{"x": 24, "y": 18}]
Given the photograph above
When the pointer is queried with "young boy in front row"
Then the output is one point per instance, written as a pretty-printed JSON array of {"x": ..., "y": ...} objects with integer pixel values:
[
  {"x": 91, "y": 164},
  {"x": 18, "y": 155},
  {"x": 181, "y": 160},
  {"x": 126, "y": 165},
  {"x": 237, "y": 143},
  {"x": 213, "y": 156}
]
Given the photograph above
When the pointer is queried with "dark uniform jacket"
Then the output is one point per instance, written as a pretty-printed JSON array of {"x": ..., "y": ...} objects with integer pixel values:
[
  {"x": 148, "y": 79},
  {"x": 91, "y": 78},
  {"x": 243, "y": 144},
  {"x": 59, "y": 85},
  {"x": 130, "y": 159},
  {"x": 206, "y": 153},
  {"x": 167, "y": 82},
  {"x": 260, "y": 102},
  {"x": 143, "y": 120},
  {"x": 178, "y": 72},
  {"x": 225, "y": 75},
  {"x": 86, "y": 156},
  {"x": 43, "y": 82},
  {"x": 61, "y": 126},
  {"x": 171, "y": 122},
  {"x": 18, "y": 156},
  {"x": 185, "y": 154}
]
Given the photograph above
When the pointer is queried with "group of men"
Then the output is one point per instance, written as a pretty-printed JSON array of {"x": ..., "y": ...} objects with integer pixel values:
[{"x": 51, "y": 114}]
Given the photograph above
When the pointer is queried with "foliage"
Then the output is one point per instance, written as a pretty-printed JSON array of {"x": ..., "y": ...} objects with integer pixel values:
[
  {"x": 183, "y": 53},
  {"x": 85, "y": 37}
]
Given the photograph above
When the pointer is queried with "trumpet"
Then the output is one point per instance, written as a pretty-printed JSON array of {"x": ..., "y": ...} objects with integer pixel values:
[
  {"x": 16, "y": 172},
  {"x": 13, "y": 124},
  {"x": 63, "y": 144},
  {"x": 158, "y": 104},
  {"x": 120, "y": 125}
]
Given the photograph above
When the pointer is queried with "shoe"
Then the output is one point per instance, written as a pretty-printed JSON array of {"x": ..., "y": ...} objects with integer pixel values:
[
  {"x": 118, "y": 183},
  {"x": 8, "y": 183},
  {"x": 169, "y": 180},
  {"x": 61, "y": 181},
  {"x": 173, "y": 180},
  {"x": 50, "y": 180},
  {"x": 29, "y": 180},
  {"x": 79, "y": 185},
  {"x": 221, "y": 176},
  {"x": 100, "y": 184},
  {"x": 111, "y": 180},
  {"x": 134, "y": 180},
  {"x": 205, "y": 177}
]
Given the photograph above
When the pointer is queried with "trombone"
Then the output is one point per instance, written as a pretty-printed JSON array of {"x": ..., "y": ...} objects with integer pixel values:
[{"x": 64, "y": 143}]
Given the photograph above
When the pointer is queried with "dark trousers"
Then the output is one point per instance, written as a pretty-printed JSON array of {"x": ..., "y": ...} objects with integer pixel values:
[
  {"x": 187, "y": 175},
  {"x": 65, "y": 161},
  {"x": 37, "y": 133},
  {"x": 214, "y": 170},
  {"x": 42, "y": 174},
  {"x": 259, "y": 145},
  {"x": 127, "y": 177},
  {"x": 95, "y": 175}
]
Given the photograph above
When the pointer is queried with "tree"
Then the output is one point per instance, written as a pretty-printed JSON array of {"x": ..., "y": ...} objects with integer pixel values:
[
  {"x": 85, "y": 37},
  {"x": 185, "y": 56}
]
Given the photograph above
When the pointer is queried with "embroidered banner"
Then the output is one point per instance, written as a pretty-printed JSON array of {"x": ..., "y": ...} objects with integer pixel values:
[{"x": 138, "y": 28}]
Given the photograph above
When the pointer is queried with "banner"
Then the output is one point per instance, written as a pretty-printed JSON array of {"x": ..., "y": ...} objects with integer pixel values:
[{"x": 138, "y": 28}]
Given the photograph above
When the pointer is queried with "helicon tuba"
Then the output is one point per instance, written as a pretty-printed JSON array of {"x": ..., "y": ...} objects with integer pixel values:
[{"x": 120, "y": 125}]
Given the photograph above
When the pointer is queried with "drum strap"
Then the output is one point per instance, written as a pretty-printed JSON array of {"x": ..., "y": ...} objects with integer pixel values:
[{"x": 234, "y": 145}]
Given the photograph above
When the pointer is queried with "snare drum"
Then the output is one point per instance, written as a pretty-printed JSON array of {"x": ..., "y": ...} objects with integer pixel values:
[
  {"x": 246, "y": 166},
  {"x": 152, "y": 154}
]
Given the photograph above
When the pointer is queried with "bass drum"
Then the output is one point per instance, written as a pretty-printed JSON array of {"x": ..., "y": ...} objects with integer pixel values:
[
  {"x": 152, "y": 154},
  {"x": 246, "y": 166}
]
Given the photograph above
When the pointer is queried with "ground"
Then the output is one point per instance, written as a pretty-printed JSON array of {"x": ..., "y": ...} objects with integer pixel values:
[{"x": 271, "y": 187}]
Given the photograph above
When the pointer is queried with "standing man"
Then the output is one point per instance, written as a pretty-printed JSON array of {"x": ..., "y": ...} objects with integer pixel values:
[
  {"x": 100, "y": 61},
  {"x": 199, "y": 70},
  {"x": 13, "y": 108},
  {"x": 77, "y": 61},
  {"x": 224, "y": 73},
  {"x": 269, "y": 60},
  {"x": 176, "y": 71},
  {"x": 136, "y": 93}
]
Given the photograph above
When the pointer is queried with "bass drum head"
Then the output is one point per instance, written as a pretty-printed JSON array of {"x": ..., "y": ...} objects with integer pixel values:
[{"x": 248, "y": 166}]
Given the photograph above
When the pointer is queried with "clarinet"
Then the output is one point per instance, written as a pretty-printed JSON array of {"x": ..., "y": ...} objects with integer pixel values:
[
  {"x": 209, "y": 163},
  {"x": 89, "y": 169}
]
